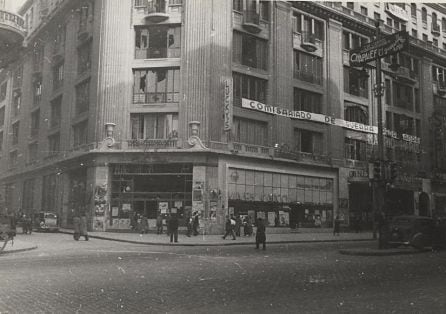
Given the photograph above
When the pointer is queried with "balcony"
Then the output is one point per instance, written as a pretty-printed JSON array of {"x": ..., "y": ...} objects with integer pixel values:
[
  {"x": 435, "y": 30},
  {"x": 152, "y": 98},
  {"x": 308, "y": 41},
  {"x": 252, "y": 149},
  {"x": 12, "y": 34},
  {"x": 85, "y": 30},
  {"x": 155, "y": 11},
  {"x": 285, "y": 153},
  {"x": 251, "y": 21}
]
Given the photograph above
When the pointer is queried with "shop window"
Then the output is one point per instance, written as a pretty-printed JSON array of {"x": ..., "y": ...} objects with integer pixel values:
[
  {"x": 154, "y": 126},
  {"x": 35, "y": 123},
  {"x": 3, "y": 89},
  {"x": 307, "y": 101},
  {"x": 53, "y": 144},
  {"x": 56, "y": 112},
  {"x": 250, "y": 131},
  {"x": 15, "y": 133},
  {"x": 307, "y": 67},
  {"x": 80, "y": 133},
  {"x": 250, "y": 51},
  {"x": 356, "y": 113},
  {"x": 250, "y": 87},
  {"x": 82, "y": 97},
  {"x": 308, "y": 141},
  {"x": 158, "y": 41},
  {"x": 354, "y": 83},
  {"x": 355, "y": 149},
  {"x": 84, "y": 58}
]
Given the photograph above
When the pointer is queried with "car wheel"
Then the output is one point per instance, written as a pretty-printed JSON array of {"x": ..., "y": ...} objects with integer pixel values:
[{"x": 418, "y": 241}]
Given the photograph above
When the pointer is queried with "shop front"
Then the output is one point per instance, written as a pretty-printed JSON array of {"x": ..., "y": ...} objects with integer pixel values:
[
  {"x": 281, "y": 199},
  {"x": 149, "y": 190}
]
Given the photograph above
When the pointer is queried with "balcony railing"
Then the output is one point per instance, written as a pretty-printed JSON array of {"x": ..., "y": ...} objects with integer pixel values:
[
  {"x": 251, "y": 21},
  {"x": 156, "y": 11},
  {"x": 153, "y": 53},
  {"x": 308, "y": 77},
  {"x": 151, "y": 98},
  {"x": 14, "y": 26},
  {"x": 284, "y": 152},
  {"x": 308, "y": 41}
]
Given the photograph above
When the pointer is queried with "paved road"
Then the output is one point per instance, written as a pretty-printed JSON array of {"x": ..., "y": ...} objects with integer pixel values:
[{"x": 64, "y": 276}]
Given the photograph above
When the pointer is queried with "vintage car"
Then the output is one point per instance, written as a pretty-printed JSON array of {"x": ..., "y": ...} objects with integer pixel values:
[
  {"x": 46, "y": 221},
  {"x": 416, "y": 231}
]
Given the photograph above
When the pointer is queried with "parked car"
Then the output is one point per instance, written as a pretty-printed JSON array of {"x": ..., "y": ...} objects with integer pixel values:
[
  {"x": 46, "y": 221},
  {"x": 416, "y": 231}
]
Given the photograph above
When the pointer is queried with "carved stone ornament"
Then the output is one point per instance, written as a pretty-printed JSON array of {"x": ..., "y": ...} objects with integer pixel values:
[{"x": 194, "y": 140}]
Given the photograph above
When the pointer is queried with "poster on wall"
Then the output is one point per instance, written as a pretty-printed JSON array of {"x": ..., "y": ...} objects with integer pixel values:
[
  {"x": 284, "y": 218},
  {"x": 115, "y": 211},
  {"x": 126, "y": 207},
  {"x": 231, "y": 211},
  {"x": 271, "y": 218},
  {"x": 178, "y": 204},
  {"x": 163, "y": 207},
  {"x": 213, "y": 211},
  {"x": 261, "y": 215}
]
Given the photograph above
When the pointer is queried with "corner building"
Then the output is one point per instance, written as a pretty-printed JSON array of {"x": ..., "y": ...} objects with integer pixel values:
[{"x": 248, "y": 107}]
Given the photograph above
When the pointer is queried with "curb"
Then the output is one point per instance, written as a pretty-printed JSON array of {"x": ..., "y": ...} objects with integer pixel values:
[
  {"x": 18, "y": 250},
  {"x": 382, "y": 252},
  {"x": 216, "y": 244}
]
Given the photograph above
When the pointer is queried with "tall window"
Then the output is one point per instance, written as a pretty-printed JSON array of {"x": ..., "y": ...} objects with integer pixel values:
[
  {"x": 249, "y": 50},
  {"x": 158, "y": 41},
  {"x": 15, "y": 133},
  {"x": 308, "y": 141},
  {"x": 356, "y": 113},
  {"x": 37, "y": 88},
  {"x": 80, "y": 133},
  {"x": 13, "y": 159},
  {"x": 249, "y": 87},
  {"x": 307, "y": 101},
  {"x": 3, "y": 89},
  {"x": 18, "y": 77},
  {"x": 307, "y": 67},
  {"x": 403, "y": 96},
  {"x": 38, "y": 53},
  {"x": 82, "y": 97},
  {"x": 308, "y": 26},
  {"x": 403, "y": 124},
  {"x": 364, "y": 11},
  {"x": 250, "y": 131},
  {"x": 424, "y": 15},
  {"x": 160, "y": 85},
  {"x": 413, "y": 10},
  {"x": 28, "y": 195},
  {"x": 352, "y": 40},
  {"x": 35, "y": 123},
  {"x": 86, "y": 14},
  {"x": 2, "y": 116},
  {"x": 355, "y": 83},
  {"x": 237, "y": 5},
  {"x": 154, "y": 126},
  {"x": 16, "y": 102},
  {"x": 58, "y": 74},
  {"x": 59, "y": 39},
  {"x": 54, "y": 144},
  {"x": 355, "y": 149},
  {"x": 56, "y": 112},
  {"x": 33, "y": 151},
  {"x": 84, "y": 58}
]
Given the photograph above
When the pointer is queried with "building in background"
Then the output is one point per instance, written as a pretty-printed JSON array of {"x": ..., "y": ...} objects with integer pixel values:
[{"x": 117, "y": 108}]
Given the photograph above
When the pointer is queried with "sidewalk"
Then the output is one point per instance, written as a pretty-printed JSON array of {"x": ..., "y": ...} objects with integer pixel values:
[
  {"x": 18, "y": 246},
  {"x": 216, "y": 240}
]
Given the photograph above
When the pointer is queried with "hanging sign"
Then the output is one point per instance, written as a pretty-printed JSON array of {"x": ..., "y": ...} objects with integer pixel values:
[
  {"x": 380, "y": 48},
  {"x": 228, "y": 104}
]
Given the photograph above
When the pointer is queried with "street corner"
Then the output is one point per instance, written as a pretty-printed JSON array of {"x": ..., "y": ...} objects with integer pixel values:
[
  {"x": 382, "y": 252},
  {"x": 18, "y": 246}
]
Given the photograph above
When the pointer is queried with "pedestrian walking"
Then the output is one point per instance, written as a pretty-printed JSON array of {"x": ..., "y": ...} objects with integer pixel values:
[
  {"x": 173, "y": 228},
  {"x": 261, "y": 234},
  {"x": 238, "y": 225},
  {"x": 159, "y": 224},
  {"x": 229, "y": 227},
  {"x": 337, "y": 226},
  {"x": 83, "y": 227},
  {"x": 196, "y": 224},
  {"x": 144, "y": 225}
]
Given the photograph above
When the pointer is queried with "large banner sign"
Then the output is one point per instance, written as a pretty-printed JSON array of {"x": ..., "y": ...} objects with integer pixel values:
[
  {"x": 381, "y": 48},
  {"x": 321, "y": 118}
]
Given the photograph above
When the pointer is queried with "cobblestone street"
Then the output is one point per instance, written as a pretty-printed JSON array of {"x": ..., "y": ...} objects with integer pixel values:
[{"x": 64, "y": 276}]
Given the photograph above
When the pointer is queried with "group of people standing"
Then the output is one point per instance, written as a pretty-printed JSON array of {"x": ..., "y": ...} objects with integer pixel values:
[
  {"x": 193, "y": 224},
  {"x": 233, "y": 228}
]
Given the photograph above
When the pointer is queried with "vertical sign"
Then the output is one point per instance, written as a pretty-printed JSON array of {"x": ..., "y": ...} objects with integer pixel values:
[{"x": 227, "y": 104}]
